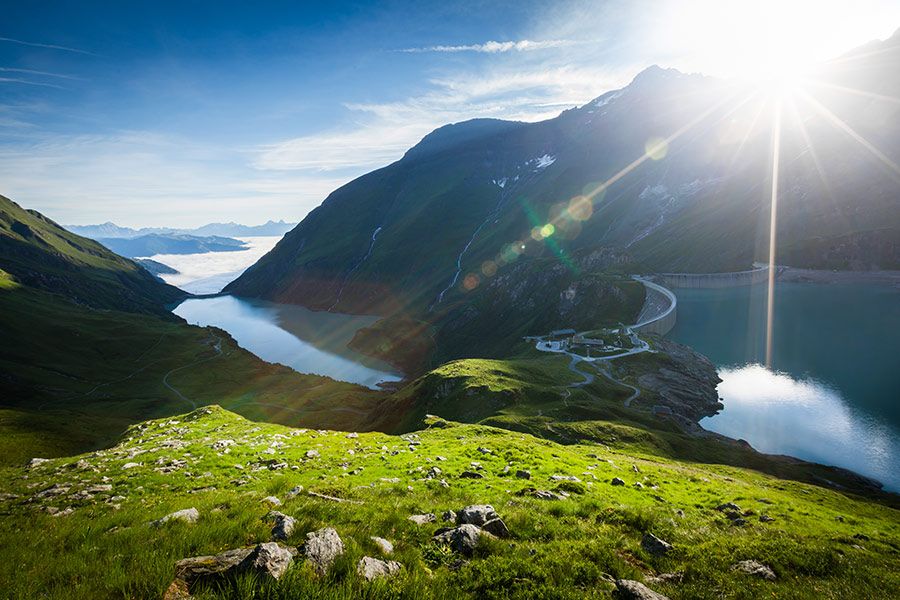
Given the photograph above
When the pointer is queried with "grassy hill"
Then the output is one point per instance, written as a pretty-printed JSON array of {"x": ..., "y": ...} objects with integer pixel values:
[
  {"x": 42, "y": 255},
  {"x": 820, "y": 543}
]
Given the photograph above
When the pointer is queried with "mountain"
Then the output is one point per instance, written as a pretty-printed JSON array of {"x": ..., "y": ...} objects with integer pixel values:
[
  {"x": 170, "y": 243},
  {"x": 40, "y": 254},
  {"x": 474, "y": 198},
  {"x": 111, "y": 230}
]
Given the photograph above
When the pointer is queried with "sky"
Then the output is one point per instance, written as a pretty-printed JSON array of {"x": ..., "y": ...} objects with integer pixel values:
[{"x": 182, "y": 113}]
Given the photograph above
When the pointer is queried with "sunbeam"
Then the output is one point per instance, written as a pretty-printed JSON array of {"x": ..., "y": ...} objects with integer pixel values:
[{"x": 773, "y": 224}]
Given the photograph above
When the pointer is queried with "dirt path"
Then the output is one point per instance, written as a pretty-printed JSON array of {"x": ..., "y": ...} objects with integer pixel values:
[{"x": 217, "y": 347}]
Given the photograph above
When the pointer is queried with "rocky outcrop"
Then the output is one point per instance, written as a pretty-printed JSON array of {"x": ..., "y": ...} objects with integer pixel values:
[
  {"x": 372, "y": 568},
  {"x": 322, "y": 547}
]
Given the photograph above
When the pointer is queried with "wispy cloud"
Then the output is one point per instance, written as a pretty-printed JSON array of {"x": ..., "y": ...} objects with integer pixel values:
[
  {"x": 492, "y": 47},
  {"x": 27, "y": 82},
  {"x": 50, "y": 46},
  {"x": 40, "y": 73},
  {"x": 381, "y": 132}
]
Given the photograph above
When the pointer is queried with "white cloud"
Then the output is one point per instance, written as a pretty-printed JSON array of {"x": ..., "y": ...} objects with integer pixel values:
[{"x": 492, "y": 47}]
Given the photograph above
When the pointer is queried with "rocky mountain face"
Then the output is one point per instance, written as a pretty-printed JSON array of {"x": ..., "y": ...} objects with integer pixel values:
[{"x": 674, "y": 170}]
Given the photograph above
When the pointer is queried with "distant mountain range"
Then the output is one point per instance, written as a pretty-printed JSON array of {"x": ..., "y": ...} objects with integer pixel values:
[
  {"x": 673, "y": 172},
  {"x": 158, "y": 243},
  {"x": 111, "y": 230}
]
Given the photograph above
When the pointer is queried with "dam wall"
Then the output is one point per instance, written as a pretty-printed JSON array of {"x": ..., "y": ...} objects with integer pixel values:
[
  {"x": 660, "y": 310},
  {"x": 714, "y": 280}
]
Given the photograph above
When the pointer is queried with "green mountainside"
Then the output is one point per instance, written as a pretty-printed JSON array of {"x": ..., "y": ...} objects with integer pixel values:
[{"x": 40, "y": 254}]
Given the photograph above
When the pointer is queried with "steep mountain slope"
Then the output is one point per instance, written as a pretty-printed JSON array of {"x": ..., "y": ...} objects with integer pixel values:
[
  {"x": 673, "y": 171},
  {"x": 40, "y": 254}
]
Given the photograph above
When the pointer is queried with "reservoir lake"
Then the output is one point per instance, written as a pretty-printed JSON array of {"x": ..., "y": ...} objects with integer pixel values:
[{"x": 832, "y": 394}]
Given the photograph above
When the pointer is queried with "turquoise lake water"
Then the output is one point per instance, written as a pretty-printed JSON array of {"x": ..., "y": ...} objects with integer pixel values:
[
  {"x": 833, "y": 392},
  {"x": 305, "y": 340}
]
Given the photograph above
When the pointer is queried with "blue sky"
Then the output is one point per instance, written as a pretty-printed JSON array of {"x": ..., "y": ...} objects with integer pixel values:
[{"x": 182, "y": 113}]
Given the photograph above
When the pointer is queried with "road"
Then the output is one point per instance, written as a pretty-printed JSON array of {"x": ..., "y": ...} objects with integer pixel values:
[{"x": 217, "y": 347}]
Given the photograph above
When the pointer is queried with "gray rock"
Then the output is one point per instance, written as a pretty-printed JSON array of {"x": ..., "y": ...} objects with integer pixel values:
[
  {"x": 284, "y": 526},
  {"x": 36, "y": 462},
  {"x": 564, "y": 478},
  {"x": 484, "y": 450},
  {"x": 268, "y": 559},
  {"x": 312, "y": 454},
  {"x": 547, "y": 495},
  {"x": 523, "y": 474},
  {"x": 616, "y": 481},
  {"x": 423, "y": 519},
  {"x": 271, "y": 500},
  {"x": 294, "y": 492},
  {"x": 766, "y": 519},
  {"x": 728, "y": 506},
  {"x": 496, "y": 527},
  {"x": 463, "y": 539},
  {"x": 191, "y": 570},
  {"x": 476, "y": 514},
  {"x": 755, "y": 568},
  {"x": 187, "y": 515},
  {"x": 383, "y": 544},
  {"x": 372, "y": 568},
  {"x": 635, "y": 590},
  {"x": 654, "y": 545},
  {"x": 322, "y": 547},
  {"x": 471, "y": 475},
  {"x": 448, "y": 516}
]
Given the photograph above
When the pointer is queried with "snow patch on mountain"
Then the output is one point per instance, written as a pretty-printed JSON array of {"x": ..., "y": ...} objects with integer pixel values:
[
  {"x": 667, "y": 202},
  {"x": 543, "y": 161},
  {"x": 500, "y": 182}
]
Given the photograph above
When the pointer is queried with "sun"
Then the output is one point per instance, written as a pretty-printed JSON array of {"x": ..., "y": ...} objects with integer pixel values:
[{"x": 774, "y": 42}]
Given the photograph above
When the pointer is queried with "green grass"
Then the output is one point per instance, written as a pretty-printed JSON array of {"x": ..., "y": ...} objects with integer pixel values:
[
  {"x": 562, "y": 549},
  {"x": 75, "y": 378}
]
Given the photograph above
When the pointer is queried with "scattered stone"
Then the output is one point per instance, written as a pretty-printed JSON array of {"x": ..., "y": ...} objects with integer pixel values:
[
  {"x": 471, "y": 475},
  {"x": 635, "y": 590},
  {"x": 433, "y": 473},
  {"x": 755, "y": 568},
  {"x": 36, "y": 462},
  {"x": 63, "y": 513},
  {"x": 312, "y": 454},
  {"x": 564, "y": 478},
  {"x": 294, "y": 491},
  {"x": 547, "y": 495},
  {"x": 638, "y": 485},
  {"x": 731, "y": 506},
  {"x": 523, "y": 474},
  {"x": 322, "y": 547},
  {"x": 665, "y": 578},
  {"x": 384, "y": 545},
  {"x": 271, "y": 500},
  {"x": 448, "y": 516},
  {"x": 496, "y": 527},
  {"x": 269, "y": 559},
  {"x": 54, "y": 490},
  {"x": 188, "y": 515},
  {"x": 331, "y": 498},
  {"x": 284, "y": 526},
  {"x": 476, "y": 514},
  {"x": 463, "y": 539},
  {"x": 617, "y": 481},
  {"x": 423, "y": 519},
  {"x": 352, "y": 435},
  {"x": 654, "y": 545},
  {"x": 130, "y": 465},
  {"x": 372, "y": 568},
  {"x": 222, "y": 444},
  {"x": 484, "y": 450}
]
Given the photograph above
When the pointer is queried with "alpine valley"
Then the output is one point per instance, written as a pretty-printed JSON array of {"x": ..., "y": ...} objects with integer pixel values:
[{"x": 545, "y": 439}]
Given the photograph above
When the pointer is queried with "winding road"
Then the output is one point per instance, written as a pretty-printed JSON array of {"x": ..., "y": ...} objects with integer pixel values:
[{"x": 217, "y": 347}]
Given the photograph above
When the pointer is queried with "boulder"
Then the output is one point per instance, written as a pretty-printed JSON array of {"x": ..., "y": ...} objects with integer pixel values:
[
  {"x": 617, "y": 481},
  {"x": 496, "y": 527},
  {"x": 284, "y": 526},
  {"x": 654, "y": 545},
  {"x": 448, "y": 516},
  {"x": 755, "y": 568},
  {"x": 372, "y": 568},
  {"x": 476, "y": 514},
  {"x": 471, "y": 475},
  {"x": 322, "y": 547},
  {"x": 523, "y": 474},
  {"x": 271, "y": 500},
  {"x": 547, "y": 495},
  {"x": 729, "y": 506},
  {"x": 188, "y": 515},
  {"x": 463, "y": 539},
  {"x": 423, "y": 519},
  {"x": 384, "y": 545},
  {"x": 269, "y": 559},
  {"x": 635, "y": 590},
  {"x": 197, "y": 568}
]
